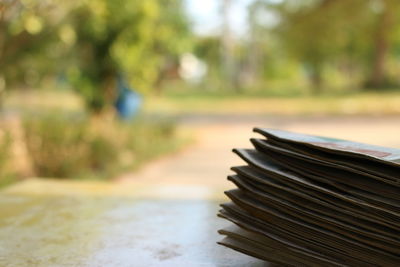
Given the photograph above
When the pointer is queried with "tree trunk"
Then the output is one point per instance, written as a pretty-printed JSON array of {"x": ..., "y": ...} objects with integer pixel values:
[
  {"x": 316, "y": 79},
  {"x": 377, "y": 77},
  {"x": 252, "y": 63},
  {"x": 227, "y": 46}
]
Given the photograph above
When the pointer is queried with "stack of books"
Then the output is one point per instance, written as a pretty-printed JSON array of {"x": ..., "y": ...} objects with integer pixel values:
[{"x": 305, "y": 200}]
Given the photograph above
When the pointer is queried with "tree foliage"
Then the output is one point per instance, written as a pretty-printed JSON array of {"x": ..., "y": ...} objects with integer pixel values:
[
  {"x": 137, "y": 39},
  {"x": 92, "y": 42},
  {"x": 27, "y": 30},
  {"x": 357, "y": 33}
]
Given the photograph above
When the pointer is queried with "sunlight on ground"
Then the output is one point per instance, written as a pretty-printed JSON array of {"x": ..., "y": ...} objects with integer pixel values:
[{"x": 367, "y": 103}]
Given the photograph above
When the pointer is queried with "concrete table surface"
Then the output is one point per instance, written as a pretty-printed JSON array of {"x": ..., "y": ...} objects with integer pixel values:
[{"x": 59, "y": 223}]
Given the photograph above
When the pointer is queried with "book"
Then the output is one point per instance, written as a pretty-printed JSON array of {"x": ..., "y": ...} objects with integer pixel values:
[{"x": 303, "y": 200}]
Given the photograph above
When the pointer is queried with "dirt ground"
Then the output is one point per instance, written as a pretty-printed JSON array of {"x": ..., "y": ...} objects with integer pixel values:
[{"x": 207, "y": 161}]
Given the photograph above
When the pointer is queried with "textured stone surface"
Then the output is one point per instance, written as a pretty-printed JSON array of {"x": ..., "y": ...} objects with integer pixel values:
[{"x": 50, "y": 223}]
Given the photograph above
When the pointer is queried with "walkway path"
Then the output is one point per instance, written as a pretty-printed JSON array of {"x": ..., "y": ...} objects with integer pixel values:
[{"x": 207, "y": 162}]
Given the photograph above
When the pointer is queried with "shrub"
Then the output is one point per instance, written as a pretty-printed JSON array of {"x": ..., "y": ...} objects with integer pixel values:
[
  {"x": 78, "y": 147},
  {"x": 57, "y": 147}
]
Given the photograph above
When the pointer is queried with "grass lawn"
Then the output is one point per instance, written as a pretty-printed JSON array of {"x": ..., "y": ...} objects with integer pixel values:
[
  {"x": 368, "y": 103},
  {"x": 176, "y": 103}
]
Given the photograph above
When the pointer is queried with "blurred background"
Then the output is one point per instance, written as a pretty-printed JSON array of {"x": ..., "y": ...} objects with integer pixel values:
[{"x": 94, "y": 89}]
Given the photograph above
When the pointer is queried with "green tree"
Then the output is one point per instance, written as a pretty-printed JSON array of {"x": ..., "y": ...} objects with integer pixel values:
[
  {"x": 384, "y": 33},
  {"x": 27, "y": 33},
  {"x": 354, "y": 33},
  {"x": 139, "y": 39},
  {"x": 311, "y": 34}
]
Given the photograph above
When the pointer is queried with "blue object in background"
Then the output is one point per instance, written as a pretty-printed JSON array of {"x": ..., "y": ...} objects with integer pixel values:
[{"x": 128, "y": 102}]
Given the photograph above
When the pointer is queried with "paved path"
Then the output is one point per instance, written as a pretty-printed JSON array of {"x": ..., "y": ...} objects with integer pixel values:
[{"x": 207, "y": 161}]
